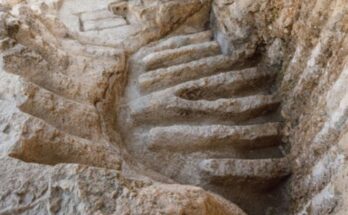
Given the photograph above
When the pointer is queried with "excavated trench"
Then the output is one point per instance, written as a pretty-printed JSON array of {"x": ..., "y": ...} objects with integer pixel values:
[
  {"x": 204, "y": 118},
  {"x": 159, "y": 96}
]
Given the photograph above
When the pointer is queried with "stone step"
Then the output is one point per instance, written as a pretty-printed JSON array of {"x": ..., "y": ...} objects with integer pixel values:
[
  {"x": 67, "y": 115},
  {"x": 258, "y": 171},
  {"x": 101, "y": 24},
  {"x": 159, "y": 107},
  {"x": 28, "y": 138},
  {"x": 73, "y": 83},
  {"x": 226, "y": 85},
  {"x": 170, "y": 57},
  {"x": 175, "y": 42},
  {"x": 99, "y": 51},
  {"x": 187, "y": 137},
  {"x": 170, "y": 76}
]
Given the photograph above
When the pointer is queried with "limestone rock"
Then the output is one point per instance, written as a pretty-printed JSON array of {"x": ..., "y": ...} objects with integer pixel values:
[
  {"x": 191, "y": 108},
  {"x": 173, "y": 107},
  {"x": 75, "y": 189},
  {"x": 24, "y": 187},
  {"x": 55, "y": 96}
]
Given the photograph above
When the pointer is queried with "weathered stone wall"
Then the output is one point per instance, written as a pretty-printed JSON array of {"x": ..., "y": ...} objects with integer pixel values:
[
  {"x": 315, "y": 101},
  {"x": 312, "y": 83}
]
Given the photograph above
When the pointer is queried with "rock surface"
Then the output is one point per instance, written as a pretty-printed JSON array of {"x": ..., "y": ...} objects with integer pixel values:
[
  {"x": 313, "y": 50},
  {"x": 173, "y": 107},
  {"x": 77, "y": 189},
  {"x": 59, "y": 86}
]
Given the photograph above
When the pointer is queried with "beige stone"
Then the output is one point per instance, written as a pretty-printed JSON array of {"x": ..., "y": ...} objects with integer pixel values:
[
  {"x": 76, "y": 189},
  {"x": 203, "y": 107}
]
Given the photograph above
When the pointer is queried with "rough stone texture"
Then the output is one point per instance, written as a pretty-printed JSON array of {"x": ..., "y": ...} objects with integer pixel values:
[
  {"x": 78, "y": 189},
  {"x": 314, "y": 106},
  {"x": 206, "y": 118},
  {"x": 340, "y": 182},
  {"x": 145, "y": 21},
  {"x": 315, "y": 100},
  {"x": 107, "y": 106},
  {"x": 59, "y": 88}
]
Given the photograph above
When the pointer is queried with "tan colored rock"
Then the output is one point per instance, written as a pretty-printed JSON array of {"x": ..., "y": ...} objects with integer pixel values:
[
  {"x": 24, "y": 187},
  {"x": 74, "y": 189},
  {"x": 26, "y": 28},
  {"x": 186, "y": 138},
  {"x": 54, "y": 93},
  {"x": 32, "y": 139},
  {"x": 109, "y": 104},
  {"x": 201, "y": 114},
  {"x": 119, "y": 8},
  {"x": 187, "y": 200},
  {"x": 47, "y": 114}
]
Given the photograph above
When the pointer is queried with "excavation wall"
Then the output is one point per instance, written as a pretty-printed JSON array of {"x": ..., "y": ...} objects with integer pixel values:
[{"x": 312, "y": 84}]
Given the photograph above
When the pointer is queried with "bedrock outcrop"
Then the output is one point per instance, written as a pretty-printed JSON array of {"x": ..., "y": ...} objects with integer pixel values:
[
  {"x": 59, "y": 89},
  {"x": 216, "y": 107}
]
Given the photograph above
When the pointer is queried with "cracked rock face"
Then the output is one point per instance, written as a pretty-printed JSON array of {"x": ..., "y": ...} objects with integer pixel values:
[{"x": 202, "y": 107}]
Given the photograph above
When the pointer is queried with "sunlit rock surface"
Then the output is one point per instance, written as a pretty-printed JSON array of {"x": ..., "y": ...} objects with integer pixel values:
[{"x": 173, "y": 107}]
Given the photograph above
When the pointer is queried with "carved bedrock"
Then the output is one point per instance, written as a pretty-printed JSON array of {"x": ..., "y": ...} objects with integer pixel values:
[
  {"x": 105, "y": 105},
  {"x": 204, "y": 118}
]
